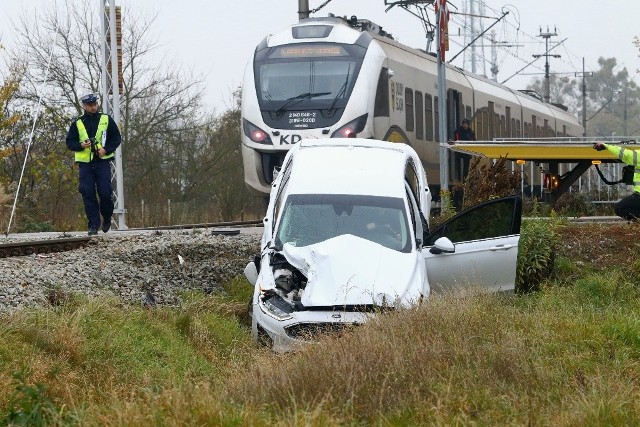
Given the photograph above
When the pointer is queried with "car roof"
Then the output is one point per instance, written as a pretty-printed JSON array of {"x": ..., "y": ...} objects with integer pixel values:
[{"x": 349, "y": 166}]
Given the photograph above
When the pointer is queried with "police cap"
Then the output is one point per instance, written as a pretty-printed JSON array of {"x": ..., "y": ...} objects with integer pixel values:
[{"x": 89, "y": 98}]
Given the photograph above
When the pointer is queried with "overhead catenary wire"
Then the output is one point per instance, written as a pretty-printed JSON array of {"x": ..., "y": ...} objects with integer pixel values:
[
  {"x": 513, "y": 32},
  {"x": 320, "y": 7},
  {"x": 35, "y": 113}
]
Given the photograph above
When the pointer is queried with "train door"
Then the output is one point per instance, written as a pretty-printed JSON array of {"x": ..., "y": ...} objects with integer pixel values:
[
  {"x": 458, "y": 162},
  {"x": 455, "y": 111},
  {"x": 382, "y": 105}
]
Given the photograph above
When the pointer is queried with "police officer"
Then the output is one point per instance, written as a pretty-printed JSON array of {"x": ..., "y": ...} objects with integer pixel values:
[
  {"x": 94, "y": 137},
  {"x": 629, "y": 207}
]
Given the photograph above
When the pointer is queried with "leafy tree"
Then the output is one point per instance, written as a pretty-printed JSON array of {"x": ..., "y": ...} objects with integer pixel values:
[
  {"x": 48, "y": 180},
  {"x": 613, "y": 99},
  {"x": 8, "y": 120},
  {"x": 232, "y": 200}
]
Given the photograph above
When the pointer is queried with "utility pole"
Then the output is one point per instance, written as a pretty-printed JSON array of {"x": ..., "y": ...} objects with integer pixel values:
[
  {"x": 494, "y": 54},
  {"x": 584, "y": 97},
  {"x": 111, "y": 86},
  {"x": 303, "y": 9},
  {"x": 546, "y": 36},
  {"x": 442, "y": 18},
  {"x": 625, "y": 112},
  {"x": 474, "y": 11},
  {"x": 494, "y": 57}
]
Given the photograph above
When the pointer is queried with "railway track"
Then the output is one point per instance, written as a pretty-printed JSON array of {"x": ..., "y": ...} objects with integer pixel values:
[{"x": 43, "y": 246}]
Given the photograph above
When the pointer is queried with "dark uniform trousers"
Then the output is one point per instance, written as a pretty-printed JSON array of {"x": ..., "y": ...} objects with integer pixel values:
[
  {"x": 629, "y": 207},
  {"x": 96, "y": 176}
]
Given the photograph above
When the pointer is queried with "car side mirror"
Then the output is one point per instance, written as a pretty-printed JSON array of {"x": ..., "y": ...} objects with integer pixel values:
[
  {"x": 443, "y": 245},
  {"x": 251, "y": 273}
]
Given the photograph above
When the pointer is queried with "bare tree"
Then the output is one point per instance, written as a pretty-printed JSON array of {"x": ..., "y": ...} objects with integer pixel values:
[{"x": 161, "y": 104}]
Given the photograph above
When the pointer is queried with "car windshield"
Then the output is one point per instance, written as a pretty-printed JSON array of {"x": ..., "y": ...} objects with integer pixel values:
[{"x": 312, "y": 218}]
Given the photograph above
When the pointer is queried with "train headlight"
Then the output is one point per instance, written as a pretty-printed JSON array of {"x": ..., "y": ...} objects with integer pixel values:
[
  {"x": 254, "y": 133},
  {"x": 351, "y": 129}
]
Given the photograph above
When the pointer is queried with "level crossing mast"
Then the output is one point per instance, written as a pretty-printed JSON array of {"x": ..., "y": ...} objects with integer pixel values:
[{"x": 112, "y": 86}]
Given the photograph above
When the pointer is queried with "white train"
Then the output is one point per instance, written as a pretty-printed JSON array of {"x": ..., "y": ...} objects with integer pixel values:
[{"x": 332, "y": 77}]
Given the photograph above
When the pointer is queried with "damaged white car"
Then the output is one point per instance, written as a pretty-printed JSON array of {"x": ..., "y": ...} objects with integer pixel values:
[{"x": 346, "y": 234}]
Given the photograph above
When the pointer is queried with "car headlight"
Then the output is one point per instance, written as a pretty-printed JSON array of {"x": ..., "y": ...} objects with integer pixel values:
[{"x": 274, "y": 306}]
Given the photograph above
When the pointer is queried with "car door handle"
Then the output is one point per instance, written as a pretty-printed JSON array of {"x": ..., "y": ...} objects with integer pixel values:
[{"x": 501, "y": 247}]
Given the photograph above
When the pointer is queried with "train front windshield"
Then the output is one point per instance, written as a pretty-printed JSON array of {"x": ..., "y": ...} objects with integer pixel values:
[{"x": 306, "y": 77}]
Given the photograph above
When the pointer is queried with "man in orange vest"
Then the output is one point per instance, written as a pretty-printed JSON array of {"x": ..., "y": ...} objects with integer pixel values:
[{"x": 94, "y": 137}]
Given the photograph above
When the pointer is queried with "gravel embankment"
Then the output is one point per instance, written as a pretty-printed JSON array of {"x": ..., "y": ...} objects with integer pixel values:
[{"x": 129, "y": 267}]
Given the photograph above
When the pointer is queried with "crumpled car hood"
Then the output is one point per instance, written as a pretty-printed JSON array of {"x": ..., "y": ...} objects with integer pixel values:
[{"x": 349, "y": 270}]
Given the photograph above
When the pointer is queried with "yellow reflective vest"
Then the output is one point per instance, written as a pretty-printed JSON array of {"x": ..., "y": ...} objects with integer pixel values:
[
  {"x": 86, "y": 155},
  {"x": 629, "y": 157}
]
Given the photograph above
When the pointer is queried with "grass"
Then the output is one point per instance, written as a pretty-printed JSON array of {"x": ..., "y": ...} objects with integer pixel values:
[{"x": 566, "y": 355}]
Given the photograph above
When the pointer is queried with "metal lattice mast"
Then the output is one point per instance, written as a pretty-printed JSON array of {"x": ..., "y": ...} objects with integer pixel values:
[
  {"x": 111, "y": 64},
  {"x": 474, "y": 10}
]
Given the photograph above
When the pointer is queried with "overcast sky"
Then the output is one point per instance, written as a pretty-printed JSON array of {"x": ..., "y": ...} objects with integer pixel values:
[{"x": 215, "y": 38}]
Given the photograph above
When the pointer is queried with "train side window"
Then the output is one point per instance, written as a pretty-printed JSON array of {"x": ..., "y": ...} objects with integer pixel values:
[
  {"x": 534, "y": 127},
  {"x": 518, "y": 129},
  {"x": 508, "y": 123},
  {"x": 428, "y": 116},
  {"x": 512, "y": 133},
  {"x": 381, "y": 106},
  {"x": 436, "y": 120},
  {"x": 467, "y": 112},
  {"x": 419, "y": 117},
  {"x": 477, "y": 125},
  {"x": 491, "y": 120},
  {"x": 502, "y": 126},
  {"x": 484, "y": 117},
  {"x": 408, "y": 105}
]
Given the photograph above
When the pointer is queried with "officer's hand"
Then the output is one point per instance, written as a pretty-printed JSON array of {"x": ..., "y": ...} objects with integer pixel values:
[
  {"x": 86, "y": 143},
  {"x": 102, "y": 152},
  {"x": 599, "y": 146}
]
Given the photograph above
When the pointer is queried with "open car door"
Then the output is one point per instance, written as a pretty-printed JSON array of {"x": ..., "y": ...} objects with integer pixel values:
[{"x": 481, "y": 250}]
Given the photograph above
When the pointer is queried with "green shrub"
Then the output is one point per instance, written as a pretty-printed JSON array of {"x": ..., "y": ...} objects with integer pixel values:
[
  {"x": 532, "y": 207},
  {"x": 489, "y": 180},
  {"x": 29, "y": 405},
  {"x": 574, "y": 204},
  {"x": 35, "y": 227},
  {"x": 537, "y": 251}
]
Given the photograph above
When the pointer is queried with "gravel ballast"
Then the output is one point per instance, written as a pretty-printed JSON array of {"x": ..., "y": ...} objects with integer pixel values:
[{"x": 152, "y": 267}]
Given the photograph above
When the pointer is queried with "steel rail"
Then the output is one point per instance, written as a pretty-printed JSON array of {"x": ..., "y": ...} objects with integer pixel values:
[
  {"x": 42, "y": 246},
  {"x": 38, "y": 246}
]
